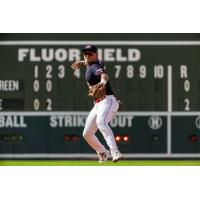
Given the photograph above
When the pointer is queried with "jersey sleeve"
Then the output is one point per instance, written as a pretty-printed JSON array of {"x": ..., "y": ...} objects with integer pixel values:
[{"x": 98, "y": 69}]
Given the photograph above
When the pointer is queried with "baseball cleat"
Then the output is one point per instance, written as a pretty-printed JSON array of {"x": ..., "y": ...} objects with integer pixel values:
[
  {"x": 103, "y": 157},
  {"x": 116, "y": 156}
]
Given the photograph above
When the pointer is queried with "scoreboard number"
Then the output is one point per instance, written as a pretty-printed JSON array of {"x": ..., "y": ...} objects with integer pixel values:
[
  {"x": 36, "y": 71},
  {"x": 118, "y": 69},
  {"x": 143, "y": 71},
  {"x": 49, "y": 104},
  {"x": 130, "y": 71},
  {"x": 49, "y": 86},
  {"x": 187, "y": 104},
  {"x": 36, "y": 86},
  {"x": 77, "y": 73},
  {"x": 49, "y": 69},
  {"x": 36, "y": 104},
  {"x": 61, "y": 73},
  {"x": 187, "y": 85},
  {"x": 158, "y": 71}
]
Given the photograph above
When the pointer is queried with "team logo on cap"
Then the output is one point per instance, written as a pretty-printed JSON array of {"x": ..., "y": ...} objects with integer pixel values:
[{"x": 88, "y": 46}]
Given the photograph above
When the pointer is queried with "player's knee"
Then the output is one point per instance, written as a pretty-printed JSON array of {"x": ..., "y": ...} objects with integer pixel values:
[{"x": 101, "y": 125}]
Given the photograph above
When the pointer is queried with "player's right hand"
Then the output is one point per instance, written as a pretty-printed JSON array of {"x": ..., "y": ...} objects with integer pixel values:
[{"x": 77, "y": 64}]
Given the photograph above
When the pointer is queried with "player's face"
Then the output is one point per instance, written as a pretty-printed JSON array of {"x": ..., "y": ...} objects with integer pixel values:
[{"x": 90, "y": 56}]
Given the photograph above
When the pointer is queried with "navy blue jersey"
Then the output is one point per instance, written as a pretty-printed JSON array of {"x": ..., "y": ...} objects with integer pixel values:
[{"x": 93, "y": 75}]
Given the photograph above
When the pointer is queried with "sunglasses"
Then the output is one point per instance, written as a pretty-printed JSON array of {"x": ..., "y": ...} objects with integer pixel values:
[{"x": 88, "y": 53}]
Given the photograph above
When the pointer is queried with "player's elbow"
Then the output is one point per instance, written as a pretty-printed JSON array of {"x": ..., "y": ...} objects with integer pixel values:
[{"x": 86, "y": 135}]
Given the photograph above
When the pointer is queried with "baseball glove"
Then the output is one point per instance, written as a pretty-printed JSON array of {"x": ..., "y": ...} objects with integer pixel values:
[{"x": 97, "y": 91}]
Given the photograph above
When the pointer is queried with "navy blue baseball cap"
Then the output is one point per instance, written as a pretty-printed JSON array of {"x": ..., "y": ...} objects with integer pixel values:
[{"x": 89, "y": 48}]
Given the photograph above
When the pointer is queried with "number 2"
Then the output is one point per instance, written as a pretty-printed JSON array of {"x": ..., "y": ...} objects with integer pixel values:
[
  {"x": 187, "y": 104},
  {"x": 49, "y": 69}
]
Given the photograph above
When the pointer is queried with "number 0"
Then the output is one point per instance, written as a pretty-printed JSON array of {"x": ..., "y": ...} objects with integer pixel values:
[
  {"x": 36, "y": 104},
  {"x": 187, "y": 85},
  {"x": 49, "y": 85},
  {"x": 36, "y": 85}
]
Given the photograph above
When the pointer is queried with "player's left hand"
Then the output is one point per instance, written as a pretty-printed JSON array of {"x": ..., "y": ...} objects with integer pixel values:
[
  {"x": 97, "y": 91},
  {"x": 100, "y": 84}
]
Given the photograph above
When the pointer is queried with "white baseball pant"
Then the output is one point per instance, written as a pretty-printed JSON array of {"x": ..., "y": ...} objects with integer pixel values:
[{"x": 98, "y": 118}]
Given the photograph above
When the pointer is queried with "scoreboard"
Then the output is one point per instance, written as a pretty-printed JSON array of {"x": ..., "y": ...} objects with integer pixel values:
[{"x": 44, "y": 103}]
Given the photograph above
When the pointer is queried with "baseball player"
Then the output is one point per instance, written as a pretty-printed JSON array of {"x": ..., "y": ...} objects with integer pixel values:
[{"x": 105, "y": 105}]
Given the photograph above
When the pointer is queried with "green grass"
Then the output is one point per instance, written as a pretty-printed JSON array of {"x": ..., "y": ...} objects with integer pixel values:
[{"x": 95, "y": 163}]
